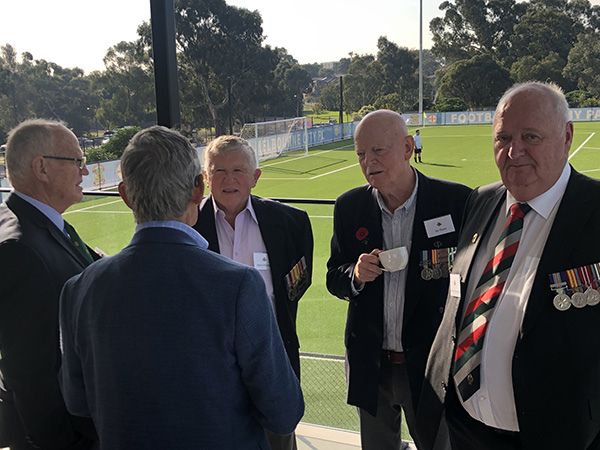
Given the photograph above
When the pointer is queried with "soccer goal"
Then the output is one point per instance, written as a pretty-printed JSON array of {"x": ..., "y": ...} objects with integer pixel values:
[{"x": 272, "y": 139}]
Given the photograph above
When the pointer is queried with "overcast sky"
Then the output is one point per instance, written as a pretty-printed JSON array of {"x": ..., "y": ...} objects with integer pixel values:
[{"x": 78, "y": 32}]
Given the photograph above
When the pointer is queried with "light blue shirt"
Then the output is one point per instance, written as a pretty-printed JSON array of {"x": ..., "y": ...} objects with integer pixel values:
[{"x": 174, "y": 224}]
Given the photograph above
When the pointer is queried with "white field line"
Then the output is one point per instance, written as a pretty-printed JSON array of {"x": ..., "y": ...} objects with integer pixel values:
[
  {"x": 94, "y": 206},
  {"x": 295, "y": 159},
  {"x": 333, "y": 171},
  {"x": 581, "y": 146},
  {"x": 320, "y": 217},
  {"x": 590, "y": 170},
  {"x": 103, "y": 212}
]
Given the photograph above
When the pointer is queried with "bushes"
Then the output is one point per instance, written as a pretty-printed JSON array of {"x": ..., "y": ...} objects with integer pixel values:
[{"x": 114, "y": 148}]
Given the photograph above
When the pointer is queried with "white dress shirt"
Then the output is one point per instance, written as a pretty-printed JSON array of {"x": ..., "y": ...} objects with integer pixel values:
[
  {"x": 245, "y": 244},
  {"x": 494, "y": 403}
]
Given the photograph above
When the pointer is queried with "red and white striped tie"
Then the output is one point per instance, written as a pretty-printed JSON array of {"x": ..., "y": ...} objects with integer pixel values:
[{"x": 467, "y": 359}]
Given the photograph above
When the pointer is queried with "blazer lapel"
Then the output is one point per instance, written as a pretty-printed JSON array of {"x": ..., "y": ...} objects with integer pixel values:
[
  {"x": 206, "y": 224},
  {"x": 23, "y": 208},
  {"x": 274, "y": 240}
]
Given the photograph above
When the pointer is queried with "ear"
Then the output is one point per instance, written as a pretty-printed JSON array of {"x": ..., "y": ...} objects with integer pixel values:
[
  {"x": 123, "y": 194},
  {"x": 198, "y": 192},
  {"x": 409, "y": 145},
  {"x": 568, "y": 137},
  {"x": 39, "y": 168},
  {"x": 257, "y": 174}
]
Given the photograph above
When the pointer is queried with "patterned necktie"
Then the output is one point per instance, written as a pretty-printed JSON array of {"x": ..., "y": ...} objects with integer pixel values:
[
  {"x": 78, "y": 242},
  {"x": 479, "y": 311}
]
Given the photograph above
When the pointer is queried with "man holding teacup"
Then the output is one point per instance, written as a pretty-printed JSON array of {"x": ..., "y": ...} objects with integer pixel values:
[{"x": 394, "y": 309}]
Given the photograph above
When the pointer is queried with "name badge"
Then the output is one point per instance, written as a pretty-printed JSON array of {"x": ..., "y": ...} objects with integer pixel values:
[
  {"x": 261, "y": 261},
  {"x": 455, "y": 285},
  {"x": 439, "y": 226}
]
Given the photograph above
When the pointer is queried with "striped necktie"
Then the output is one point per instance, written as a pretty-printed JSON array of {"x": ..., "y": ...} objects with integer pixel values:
[
  {"x": 77, "y": 242},
  {"x": 467, "y": 358}
]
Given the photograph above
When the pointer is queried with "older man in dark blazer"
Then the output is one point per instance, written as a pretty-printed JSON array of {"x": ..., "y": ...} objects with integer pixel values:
[
  {"x": 45, "y": 166},
  {"x": 516, "y": 361},
  {"x": 274, "y": 238},
  {"x": 166, "y": 344},
  {"x": 392, "y": 316}
]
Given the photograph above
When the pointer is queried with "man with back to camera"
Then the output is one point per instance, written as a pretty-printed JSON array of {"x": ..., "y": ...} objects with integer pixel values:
[
  {"x": 274, "y": 238},
  {"x": 167, "y": 345},
  {"x": 39, "y": 251},
  {"x": 392, "y": 316},
  {"x": 516, "y": 362}
]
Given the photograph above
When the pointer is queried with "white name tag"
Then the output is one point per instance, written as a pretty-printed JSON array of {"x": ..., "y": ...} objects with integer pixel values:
[
  {"x": 455, "y": 285},
  {"x": 261, "y": 261},
  {"x": 439, "y": 225}
]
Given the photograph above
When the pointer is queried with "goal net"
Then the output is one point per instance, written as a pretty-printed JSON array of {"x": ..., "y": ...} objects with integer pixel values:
[{"x": 272, "y": 139}]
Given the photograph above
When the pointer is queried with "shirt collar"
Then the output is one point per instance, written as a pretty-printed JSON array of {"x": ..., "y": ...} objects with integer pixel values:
[
  {"x": 221, "y": 213},
  {"x": 407, "y": 205},
  {"x": 53, "y": 215},
  {"x": 175, "y": 225},
  {"x": 544, "y": 203}
]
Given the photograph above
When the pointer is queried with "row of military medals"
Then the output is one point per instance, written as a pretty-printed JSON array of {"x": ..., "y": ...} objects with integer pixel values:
[
  {"x": 437, "y": 263},
  {"x": 582, "y": 284}
]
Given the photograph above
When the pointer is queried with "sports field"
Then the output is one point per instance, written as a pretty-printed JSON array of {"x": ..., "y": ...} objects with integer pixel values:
[{"x": 458, "y": 153}]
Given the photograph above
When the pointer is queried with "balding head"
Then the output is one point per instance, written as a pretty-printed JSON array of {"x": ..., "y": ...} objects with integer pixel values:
[{"x": 384, "y": 149}]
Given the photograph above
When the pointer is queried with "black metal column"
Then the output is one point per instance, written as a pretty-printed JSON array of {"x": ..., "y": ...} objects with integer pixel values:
[
  {"x": 162, "y": 18},
  {"x": 341, "y": 99}
]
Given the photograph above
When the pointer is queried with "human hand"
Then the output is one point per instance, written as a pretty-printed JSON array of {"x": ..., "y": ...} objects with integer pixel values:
[{"x": 367, "y": 267}]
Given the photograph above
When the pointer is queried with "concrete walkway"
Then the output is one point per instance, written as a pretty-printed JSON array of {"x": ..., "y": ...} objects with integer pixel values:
[{"x": 315, "y": 437}]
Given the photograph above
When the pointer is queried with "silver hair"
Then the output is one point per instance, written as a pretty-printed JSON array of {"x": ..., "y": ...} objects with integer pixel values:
[
  {"x": 27, "y": 140},
  {"x": 160, "y": 169},
  {"x": 551, "y": 90},
  {"x": 224, "y": 145}
]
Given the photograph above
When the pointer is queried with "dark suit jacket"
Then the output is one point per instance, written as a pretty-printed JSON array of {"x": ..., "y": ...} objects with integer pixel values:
[
  {"x": 556, "y": 363},
  {"x": 170, "y": 346},
  {"x": 36, "y": 259},
  {"x": 425, "y": 300},
  {"x": 287, "y": 234}
]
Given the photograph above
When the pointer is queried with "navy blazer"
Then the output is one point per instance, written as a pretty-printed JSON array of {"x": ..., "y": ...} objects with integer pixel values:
[
  {"x": 287, "y": 234},
  {"x": 357, "y": 210},
  {"x": 170, "y": 346},
  {"x": 36, "y": 259},
  {"x": 556, "y": 363}
]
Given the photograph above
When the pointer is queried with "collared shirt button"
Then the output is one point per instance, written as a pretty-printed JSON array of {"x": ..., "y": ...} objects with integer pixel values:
[{"x": 481, "y": 398}]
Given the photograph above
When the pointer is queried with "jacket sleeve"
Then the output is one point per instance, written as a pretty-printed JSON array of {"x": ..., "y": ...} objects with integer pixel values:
[{"x": 266, "y": 371}]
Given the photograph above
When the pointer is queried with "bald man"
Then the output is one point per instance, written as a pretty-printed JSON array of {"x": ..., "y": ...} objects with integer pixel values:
[{"x": 392, "y": 316}]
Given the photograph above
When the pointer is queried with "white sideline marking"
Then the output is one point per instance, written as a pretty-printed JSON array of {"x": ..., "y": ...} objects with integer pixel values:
[
  {"x": 333, "y": 171},
  {"x": 294, "y": 159},
  {"x": 581, "y": 146},
  {"x": 94, "y": 206}
]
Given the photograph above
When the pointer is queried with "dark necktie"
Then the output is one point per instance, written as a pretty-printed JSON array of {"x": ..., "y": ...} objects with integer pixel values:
[
  {"x": 77, "y": 242},
  {"x": 467, "y": 358}
]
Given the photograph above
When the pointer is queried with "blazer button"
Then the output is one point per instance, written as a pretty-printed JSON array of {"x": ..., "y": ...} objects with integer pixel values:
[
  {"x": 441, "y": 310},
  {"x": 353, "y": 334}
]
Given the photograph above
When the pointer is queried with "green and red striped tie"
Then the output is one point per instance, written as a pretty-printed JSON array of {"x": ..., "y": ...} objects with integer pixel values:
[{"x": 467, "y": 359}]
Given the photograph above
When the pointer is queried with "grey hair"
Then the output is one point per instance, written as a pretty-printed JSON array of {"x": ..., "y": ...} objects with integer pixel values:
[
  {"x": 159, "y": 169},
  {"x": 224, "y": 145},
  {"x": 551, "y": 90},
  {"x": 27, "y": 140}
]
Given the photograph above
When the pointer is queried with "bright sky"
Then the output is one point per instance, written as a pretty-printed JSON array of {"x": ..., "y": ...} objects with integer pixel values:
[{"x": 78, "y": 32}]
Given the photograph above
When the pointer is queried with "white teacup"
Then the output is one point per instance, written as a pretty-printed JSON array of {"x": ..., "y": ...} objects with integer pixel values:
[{"x": 394, "y": 259}]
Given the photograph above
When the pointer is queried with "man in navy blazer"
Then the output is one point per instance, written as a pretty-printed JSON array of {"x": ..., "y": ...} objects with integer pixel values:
[
  {"x": 166, "y": 344},
  {"x": 273, "y": 237},
  {"x": 46, "y": 167},
  {"x": 537, "y": 381},
  {"x": 392, "y": 316}
]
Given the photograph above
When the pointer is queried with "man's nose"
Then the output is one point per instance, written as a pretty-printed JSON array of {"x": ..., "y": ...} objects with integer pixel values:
[{"x": 516, "y": 149}]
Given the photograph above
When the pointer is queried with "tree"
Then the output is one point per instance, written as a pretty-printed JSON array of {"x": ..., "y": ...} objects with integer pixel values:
[
  {"x": 583, "y": 66},
  {"x": 480, "y": 81},
  {"x": 450, "y": 104},
  {"x": 399, "y": 69},
  {"x": 362, "y": 83},
  {"x": 548, "y": 68},
  {"x": 217, "y": 43},
  {"x": 474, "y": 27},
  {"x": 330, "y": 96}
]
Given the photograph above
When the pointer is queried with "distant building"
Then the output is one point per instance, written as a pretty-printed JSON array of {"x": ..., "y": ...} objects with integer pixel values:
[{"x": 320, "y": 82}]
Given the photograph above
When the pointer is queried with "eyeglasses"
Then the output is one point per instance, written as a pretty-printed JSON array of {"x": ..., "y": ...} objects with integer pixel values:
[{"x": 80, "y": 161}]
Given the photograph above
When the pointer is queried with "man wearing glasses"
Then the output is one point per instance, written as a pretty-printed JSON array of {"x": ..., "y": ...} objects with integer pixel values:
[{"x": 39, "y": 251}]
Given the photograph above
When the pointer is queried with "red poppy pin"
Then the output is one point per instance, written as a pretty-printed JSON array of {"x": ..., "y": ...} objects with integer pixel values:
[{"x": 362, "y": 233}]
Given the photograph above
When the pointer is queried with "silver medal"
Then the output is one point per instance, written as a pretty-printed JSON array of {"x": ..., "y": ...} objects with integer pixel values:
[
  {"x": 579, "y": 300},
  {"x": 562, "y": 302},
  {"x": 592, "y": 297},
  {"x": 427, "y": 274}
]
